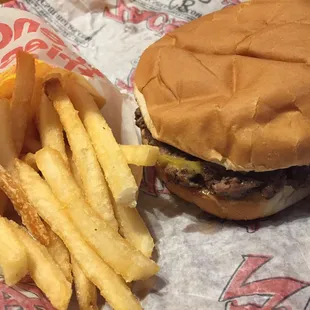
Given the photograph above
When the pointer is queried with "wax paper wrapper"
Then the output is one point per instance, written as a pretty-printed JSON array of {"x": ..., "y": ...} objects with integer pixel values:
[{"x": 206, "y": 263}]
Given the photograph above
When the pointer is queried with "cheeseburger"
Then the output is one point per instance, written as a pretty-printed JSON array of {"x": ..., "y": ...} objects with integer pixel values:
[{"x": 227, "y": 99}]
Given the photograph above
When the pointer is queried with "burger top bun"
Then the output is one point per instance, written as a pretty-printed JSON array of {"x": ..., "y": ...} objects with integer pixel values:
[{"x": 233, "y": 87}]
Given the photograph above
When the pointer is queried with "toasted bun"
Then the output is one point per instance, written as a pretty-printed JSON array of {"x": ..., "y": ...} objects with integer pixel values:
[
  {"x": 233, "y": 87},
  {"x": 252, "y": 207}
]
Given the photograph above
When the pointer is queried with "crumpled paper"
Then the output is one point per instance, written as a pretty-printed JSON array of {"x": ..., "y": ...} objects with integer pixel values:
[{"x": 206, "y": 263}]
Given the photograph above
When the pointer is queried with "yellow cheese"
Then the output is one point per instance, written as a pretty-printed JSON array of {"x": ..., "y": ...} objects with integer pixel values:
[{"x": 180, "y": 163}]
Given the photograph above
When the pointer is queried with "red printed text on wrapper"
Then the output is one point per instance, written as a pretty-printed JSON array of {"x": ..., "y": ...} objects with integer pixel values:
[
  {"x": 24, "y": 297},
  {"x": 15, "y": 4},
  {"x": 271, "y": 292},
  {"x": 42, "y": 40},
  {"x": 157, "y": 21}
]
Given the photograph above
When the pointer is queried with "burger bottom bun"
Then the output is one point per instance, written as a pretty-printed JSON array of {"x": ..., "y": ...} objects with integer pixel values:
[{"x": 252, "y": 207}]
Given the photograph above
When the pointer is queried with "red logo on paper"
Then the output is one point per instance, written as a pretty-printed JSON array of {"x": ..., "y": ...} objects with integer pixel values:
[
  {"x": 52, "y": 45},
  {"x": 15, "y": 5},
  {"x": 273, "y": 291},
  {"x": 157, "y": 21},
  {"x": 22, "y": 297}
]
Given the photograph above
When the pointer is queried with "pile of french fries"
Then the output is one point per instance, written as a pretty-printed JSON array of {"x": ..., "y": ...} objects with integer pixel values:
[{"x": 73, "y": 188}]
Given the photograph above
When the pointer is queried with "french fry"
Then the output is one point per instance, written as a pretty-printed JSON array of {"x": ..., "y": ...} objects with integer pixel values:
[
  {"x": 94, "y": 185},
  {"x": 114, "y": 250},
  {"x": 8, "y": 152},
  {"x": 21, "y": 204},
  {"x": 65, "y": 76},
  {"x": 131, "y": 225},
  {"x": 50, "y": 127},
  {"x": 24, "y": 84},
  {"x": 82, "y": 81},
  {"x": 42, "y": 267},
  {"x": 60, "y": 254},
  {"x": 111, "y": 286},
  {"x": 13, "y": 257},
  {"x": 30, "y": 160},
  {"x": 36, "y": 96},
  {"x": 133, "y": 228},
  {"x": 86, "y": 291},
  {"x": 137, "y": 171},
  {"x": 8, "y": 73},
  {"x": 74, "y": 169},
  {"x": 7, "y": 86},
  {"x": 42, "y": 68},
  {"x": 8, "y": 80},
  {"x": 140, "y": 155},
  {"x": 110, "y": 156},
  {"x": 56, "y": 73},
  {"x": 31, "y": 143}
]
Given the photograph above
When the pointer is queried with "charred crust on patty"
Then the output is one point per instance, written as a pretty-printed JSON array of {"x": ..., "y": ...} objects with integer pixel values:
[{"x": 218, "y": 181}]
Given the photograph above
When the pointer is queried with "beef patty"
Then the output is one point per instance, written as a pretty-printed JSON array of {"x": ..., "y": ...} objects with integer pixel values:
[{"x": 219, "y": 181}]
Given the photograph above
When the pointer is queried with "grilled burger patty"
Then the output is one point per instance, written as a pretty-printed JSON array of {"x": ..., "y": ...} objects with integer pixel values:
[{"x": 189, "y": 171}]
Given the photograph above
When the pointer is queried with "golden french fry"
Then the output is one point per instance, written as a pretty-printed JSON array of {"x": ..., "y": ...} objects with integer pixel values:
[
  {"x": 131, "y": 225},
  {"x": 42, "y": 68},
  {"x": 82, "y": 81},
  {"x": 133, "y": 228},
  {"x": 114, "y": 250},
  {"x": 86, "y": 291},
  {"x": 44, "y": 271},
  {"x": 8, "y": 80},
  {"x": 13, "y": 256},
  {"x": 110, "y": 156},
  {"x": 60, "y": 254},
  {"x": 8, "y": 73},
  {"x": 111, "y": 286},
  {"x": 24, "y": 84},
  {"x": 137, "y": 171},
  {"x": 8, "y": 152},
  {"x": 56, "y": 72},
  {"x": 31, "y": 143},
  {"x": 30, "y": 159},
  {"x": 7, "y": 86},
  {"x": 21, "y": 204},
  {"x": 140, "y": 155},
  {"x": 65, "y": 76},
  {"x": 36, "y": 96},
  {"x": 74, "y": 168},
  {"x": 84, "y": 156},
  {"x": 50, "y": 127}
]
